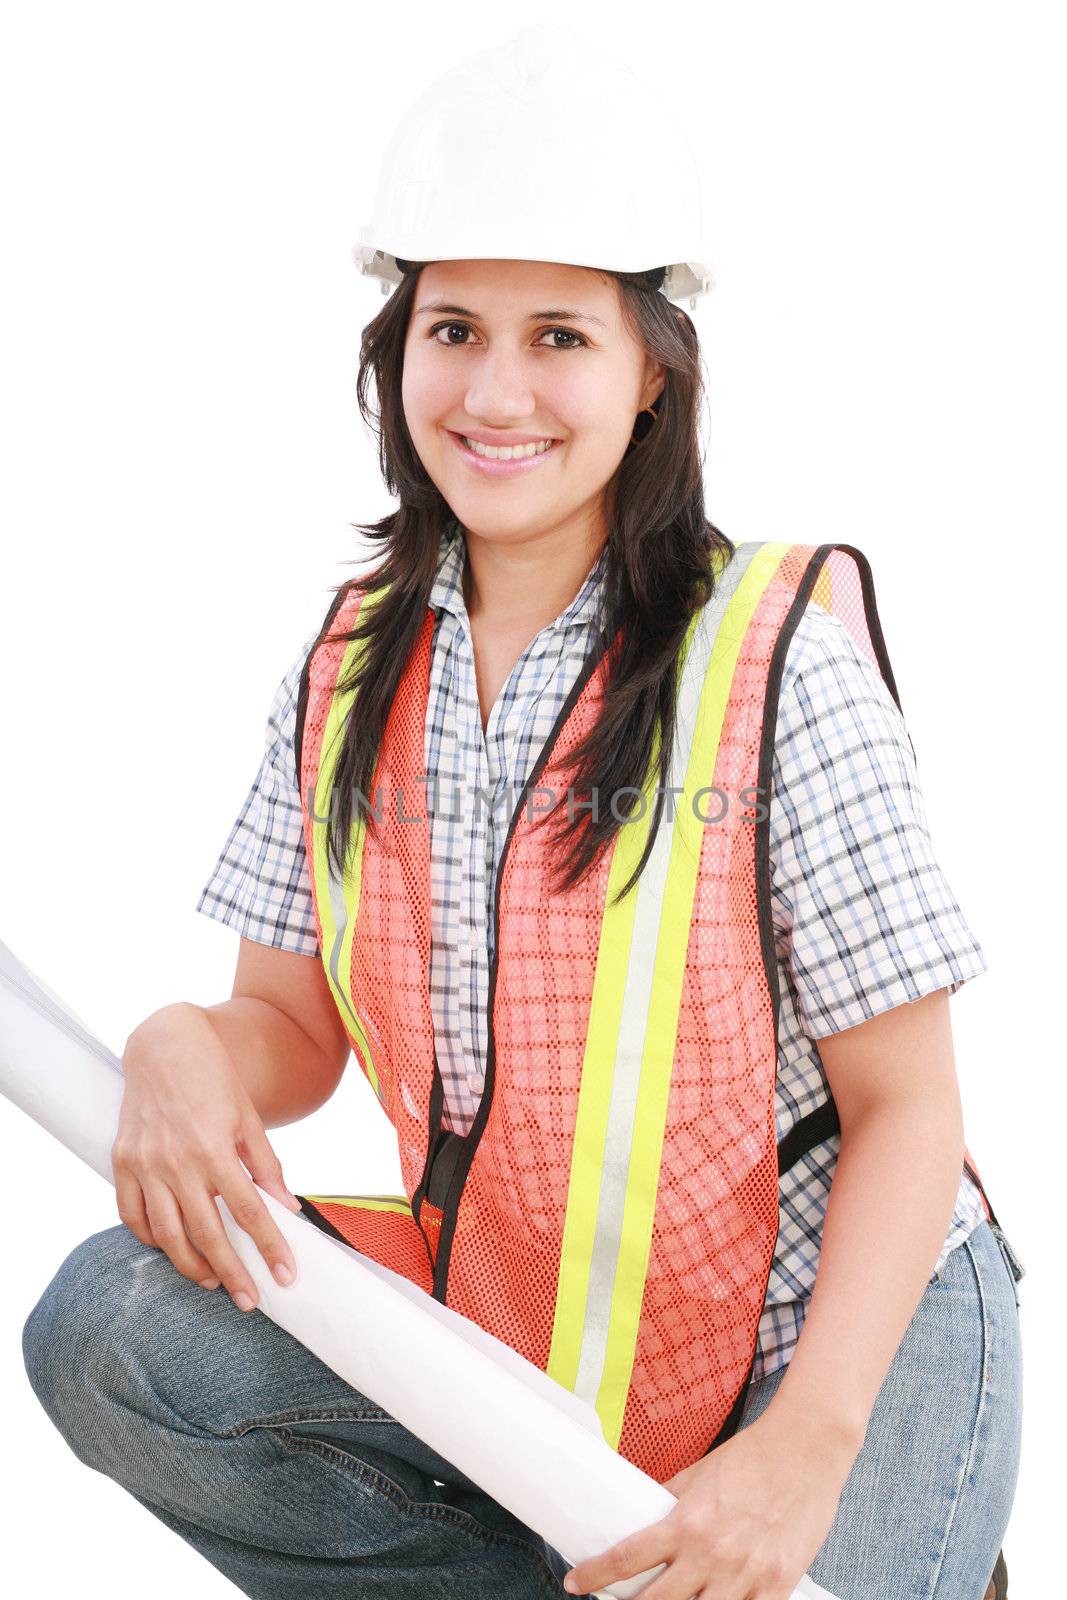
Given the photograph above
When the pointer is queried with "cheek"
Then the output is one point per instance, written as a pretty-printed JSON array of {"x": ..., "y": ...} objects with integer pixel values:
[
  {"x": 428, "y": 391},
  {"x": 593, "y": 407},
  {"x": 599, "y": 441}
]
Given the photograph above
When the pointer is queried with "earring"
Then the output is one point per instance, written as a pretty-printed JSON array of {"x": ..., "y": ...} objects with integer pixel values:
[{"x": 648, "y": 430}]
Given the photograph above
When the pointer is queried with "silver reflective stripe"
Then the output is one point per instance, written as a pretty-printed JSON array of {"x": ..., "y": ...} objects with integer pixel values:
[{"x": 626, "y": 1077}]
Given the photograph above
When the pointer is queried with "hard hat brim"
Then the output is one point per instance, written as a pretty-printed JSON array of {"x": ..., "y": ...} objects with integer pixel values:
[{"x": 685, "y": 280}]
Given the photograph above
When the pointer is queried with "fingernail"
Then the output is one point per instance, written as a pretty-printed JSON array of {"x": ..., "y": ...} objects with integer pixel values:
[
  {"x": 209, "y": 1283},
  {"x": 293, "y": 1198},
  {"x": 570, "y": 1585},
  {"x": 244, "y": 1301},
  {"x": 283, "y": 1273}
]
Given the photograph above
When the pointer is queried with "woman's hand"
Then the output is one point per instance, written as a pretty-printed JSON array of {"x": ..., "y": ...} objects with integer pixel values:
[
  {"x": 188, "y": 1131},
  {"x": 750, "y": 1519}
]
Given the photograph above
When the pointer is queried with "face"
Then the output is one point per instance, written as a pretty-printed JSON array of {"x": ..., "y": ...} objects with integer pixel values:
[{"x": 512, "y": 351}]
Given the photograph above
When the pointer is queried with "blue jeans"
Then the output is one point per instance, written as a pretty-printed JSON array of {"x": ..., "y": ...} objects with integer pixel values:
[{"x": 291, "y": 1482}]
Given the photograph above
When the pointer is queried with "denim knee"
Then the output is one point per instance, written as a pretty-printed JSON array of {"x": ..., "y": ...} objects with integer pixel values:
[{"x": 67, "y": 1337}]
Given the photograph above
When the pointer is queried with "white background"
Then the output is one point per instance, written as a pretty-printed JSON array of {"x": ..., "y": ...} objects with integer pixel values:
[{"x": 184, "y": 459}]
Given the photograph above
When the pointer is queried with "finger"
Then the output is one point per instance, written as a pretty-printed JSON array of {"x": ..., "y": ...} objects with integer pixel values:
[
  {"x": 260, "y": 1157},
  {"x": 639, "y": 1553},
  {"x": 678, "y": 1582},
  {"x": 204, "y": 1224},
  {"x": 246, "y": 1205},
  {"x": 131, "y": 1207},
  {"x": 168, "y": 1229}
]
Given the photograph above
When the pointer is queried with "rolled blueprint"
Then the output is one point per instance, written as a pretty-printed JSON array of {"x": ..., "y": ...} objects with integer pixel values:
[{"x": 379, "y": 1332}]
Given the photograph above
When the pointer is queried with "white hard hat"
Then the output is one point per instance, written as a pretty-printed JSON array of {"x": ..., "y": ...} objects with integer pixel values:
[{"x": 541, "y": 149}]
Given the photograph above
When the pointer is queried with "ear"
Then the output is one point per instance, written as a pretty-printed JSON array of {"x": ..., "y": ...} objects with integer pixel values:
[{"x": 655, "y": 378}]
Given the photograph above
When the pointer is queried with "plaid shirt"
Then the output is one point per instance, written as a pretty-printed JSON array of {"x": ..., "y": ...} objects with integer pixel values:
[{"x": 863, "y": 917}]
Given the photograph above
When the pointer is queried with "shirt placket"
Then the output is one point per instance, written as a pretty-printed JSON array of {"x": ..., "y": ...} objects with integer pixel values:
[
  {"x": 509, "y": 771},
  {"x": 472, "y": 883}
]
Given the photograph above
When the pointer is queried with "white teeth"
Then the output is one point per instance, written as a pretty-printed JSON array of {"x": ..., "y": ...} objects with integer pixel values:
[{"x": 510, "y": 452}]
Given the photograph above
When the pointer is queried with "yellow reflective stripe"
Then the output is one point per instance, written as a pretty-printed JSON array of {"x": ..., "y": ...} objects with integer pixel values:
[
  {"x": 662, "y": 1028},
  {"x": 609, "y": 1066},
  {"x": 338, "y": 902},
  {"x": 363, "y": 1202}
]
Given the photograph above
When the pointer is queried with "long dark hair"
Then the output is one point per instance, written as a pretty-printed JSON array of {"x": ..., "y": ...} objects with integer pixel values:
[{"x": 657, "y": 573}]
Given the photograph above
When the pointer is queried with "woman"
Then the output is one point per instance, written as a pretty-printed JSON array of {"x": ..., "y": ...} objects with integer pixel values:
[{"x": 858, "y": 1413}]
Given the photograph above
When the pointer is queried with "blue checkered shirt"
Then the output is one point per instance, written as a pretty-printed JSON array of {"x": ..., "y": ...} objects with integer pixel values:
[{"x": 863, "y": 917}]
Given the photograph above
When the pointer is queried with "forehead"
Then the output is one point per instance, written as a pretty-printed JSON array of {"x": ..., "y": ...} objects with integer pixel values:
[{"x": 513, "y": 289}]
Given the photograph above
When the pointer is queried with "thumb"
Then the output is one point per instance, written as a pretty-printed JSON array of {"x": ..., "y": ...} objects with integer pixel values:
[{"x": 263, "y": 1165}]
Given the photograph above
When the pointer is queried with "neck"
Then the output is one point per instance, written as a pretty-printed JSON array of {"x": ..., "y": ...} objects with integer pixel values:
[{"x": 528, "y": 583}]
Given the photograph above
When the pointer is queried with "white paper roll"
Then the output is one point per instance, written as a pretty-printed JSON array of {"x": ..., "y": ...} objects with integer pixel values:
[{"x": 379, "y": 1332}]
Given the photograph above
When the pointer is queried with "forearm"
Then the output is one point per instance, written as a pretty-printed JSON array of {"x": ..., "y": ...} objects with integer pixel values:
[
  {"x": 891, "y": 1201},
  {"x": 285, "y": 1072}
]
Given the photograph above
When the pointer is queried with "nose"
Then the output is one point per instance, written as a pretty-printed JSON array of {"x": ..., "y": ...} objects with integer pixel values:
[{"x": 499, "y": 394}]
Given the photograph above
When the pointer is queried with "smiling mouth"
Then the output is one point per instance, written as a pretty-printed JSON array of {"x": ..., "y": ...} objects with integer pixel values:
[
  {"x": 506, "y": 452},
  {"x": 477, "y": 458}
]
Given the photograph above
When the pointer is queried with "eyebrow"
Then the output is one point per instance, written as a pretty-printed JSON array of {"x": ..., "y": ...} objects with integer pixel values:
[{"x": 534, "y": 316}]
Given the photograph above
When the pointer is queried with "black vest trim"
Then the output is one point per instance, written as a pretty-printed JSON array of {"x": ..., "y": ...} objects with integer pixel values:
[
  {"x": 789, "y": 1152},
  {"x": 313, "y": 1214}
]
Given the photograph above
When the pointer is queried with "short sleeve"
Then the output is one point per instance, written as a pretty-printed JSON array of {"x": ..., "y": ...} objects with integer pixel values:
[
  {"x": 260, "y": 884},
  {"x": 861, "y": 908}
]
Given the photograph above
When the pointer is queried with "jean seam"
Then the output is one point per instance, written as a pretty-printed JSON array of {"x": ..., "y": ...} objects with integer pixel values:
[
  {"x": 429, "y": 1510},
  {"x": 972, "y": 1447},
  {"x": 1005, "y": 1256},
  {"x": 298, "y": 1414}
]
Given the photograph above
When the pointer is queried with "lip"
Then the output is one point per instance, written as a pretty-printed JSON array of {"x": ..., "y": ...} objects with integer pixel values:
[{"x": 500, "y": 469}]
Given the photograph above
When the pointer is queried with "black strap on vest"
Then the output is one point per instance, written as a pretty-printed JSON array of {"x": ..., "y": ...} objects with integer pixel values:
[
  {"x": 812, "y": 1130},
  {"x": 803, "y": 1136}
]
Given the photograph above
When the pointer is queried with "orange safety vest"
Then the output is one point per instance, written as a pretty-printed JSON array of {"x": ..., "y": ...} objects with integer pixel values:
[{"x": 612, "y": 1213}]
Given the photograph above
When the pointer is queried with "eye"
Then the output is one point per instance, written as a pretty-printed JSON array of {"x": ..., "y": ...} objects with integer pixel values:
[
  {"x": 570, "y": 333},
  {"x": 449, "y": 325},
  {"x": 465, "y": 327}
]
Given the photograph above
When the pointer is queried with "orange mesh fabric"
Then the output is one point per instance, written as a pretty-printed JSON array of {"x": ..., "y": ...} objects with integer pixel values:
[
  {"x": 717, "y": 1208},
  {"x": 498, "y": 1242},
  {"x": 516, "y": 1192},
  {"x": 390, "y": 971},
  {"x": 389, "y": 1237},
  {"x": 390, "y": 962}
]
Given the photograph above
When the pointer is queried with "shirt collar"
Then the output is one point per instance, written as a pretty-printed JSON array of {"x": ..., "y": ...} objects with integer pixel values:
[{"x": 446, "y": 592}]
